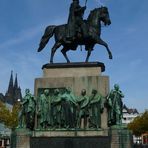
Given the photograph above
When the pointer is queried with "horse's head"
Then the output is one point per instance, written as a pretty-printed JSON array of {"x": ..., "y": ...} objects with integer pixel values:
[{"x": 104, "y": 15}]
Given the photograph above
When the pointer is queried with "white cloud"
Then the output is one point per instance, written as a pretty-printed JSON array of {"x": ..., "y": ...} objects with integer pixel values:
[
  {"x": 21, "y": 37},
  {"x": 130, "y": 30},
  {"x": 29, "y": 33}
]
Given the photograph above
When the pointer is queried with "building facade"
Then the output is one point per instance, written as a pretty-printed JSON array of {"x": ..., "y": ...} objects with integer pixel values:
[{"x": 128, "y": 116}]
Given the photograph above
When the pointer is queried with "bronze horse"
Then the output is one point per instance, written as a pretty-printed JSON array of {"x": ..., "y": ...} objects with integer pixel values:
[{"x": 93, "y": 25}]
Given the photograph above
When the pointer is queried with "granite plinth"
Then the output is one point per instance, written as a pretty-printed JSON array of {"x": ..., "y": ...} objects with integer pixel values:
[
  {"x": 73, "y": 69},
  {"x": 75, "y": 65}
]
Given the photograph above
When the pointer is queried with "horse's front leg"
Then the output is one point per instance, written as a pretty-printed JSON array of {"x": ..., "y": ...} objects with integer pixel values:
[
  {"x": 101, "y": 42},
  {"x": 64, "y": 50},
  {"x": 88, "y": 54},
  {"x": 53, "y": 50}
]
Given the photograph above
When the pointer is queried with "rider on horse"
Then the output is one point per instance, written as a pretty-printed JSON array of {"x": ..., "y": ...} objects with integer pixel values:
[
  {"x": 76, "y": 24},
  {"x": 77, "y": 31}
]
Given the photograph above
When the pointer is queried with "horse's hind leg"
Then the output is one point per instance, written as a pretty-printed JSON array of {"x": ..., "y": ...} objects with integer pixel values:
[
  {"x": 88, "y": 55},
  {"x": 53, "y": 50},
  {"x": 64, "y": 50},
  {"x": 101, "y": 42}
]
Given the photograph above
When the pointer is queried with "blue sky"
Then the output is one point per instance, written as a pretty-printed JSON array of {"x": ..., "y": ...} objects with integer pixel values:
[{"x": 22, "y": 23}]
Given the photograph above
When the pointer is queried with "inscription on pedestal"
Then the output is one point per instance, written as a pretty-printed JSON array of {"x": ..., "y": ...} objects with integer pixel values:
[{"x": 70, "y": 142}]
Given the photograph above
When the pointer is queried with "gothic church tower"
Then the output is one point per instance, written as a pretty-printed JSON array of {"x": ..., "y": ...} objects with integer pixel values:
[{"x": 13, "y": 93}]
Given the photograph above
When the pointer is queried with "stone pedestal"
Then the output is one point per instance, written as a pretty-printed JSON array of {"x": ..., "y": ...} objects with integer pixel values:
[
  {"x": 20, "y": 138},
  {"x": 77, "y": 76},
  {"x": 120, "y": 137}
]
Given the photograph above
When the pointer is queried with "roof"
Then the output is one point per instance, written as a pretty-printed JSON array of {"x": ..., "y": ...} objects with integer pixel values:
[{"x": 130, "y": 110}]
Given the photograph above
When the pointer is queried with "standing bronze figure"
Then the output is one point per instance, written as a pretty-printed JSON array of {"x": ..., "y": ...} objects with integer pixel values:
[
  {"x": 27, "y": 112},
  {"x": 77, "y": 31},
  {"x": 95, "y": 109},
  {"x": 115, "y": 106},
  {"x": 83, "y": 111},
  {"x": 45, "y": 109}
]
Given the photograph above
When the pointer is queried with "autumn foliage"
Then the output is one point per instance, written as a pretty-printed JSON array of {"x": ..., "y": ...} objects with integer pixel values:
[
  {"x": 139, "y": 124},
  {"x": 9, "y": 117}
]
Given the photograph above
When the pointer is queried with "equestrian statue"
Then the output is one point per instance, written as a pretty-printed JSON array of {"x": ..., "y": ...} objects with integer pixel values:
[{"x": 77, "y": 31}]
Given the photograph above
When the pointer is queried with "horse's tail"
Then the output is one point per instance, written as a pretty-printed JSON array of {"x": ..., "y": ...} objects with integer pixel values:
[{"x": 49, "y": 31}]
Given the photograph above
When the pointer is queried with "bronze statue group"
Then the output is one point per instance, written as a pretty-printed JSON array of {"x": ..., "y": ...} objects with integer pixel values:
[
  {"x": 67, "y": 111},
  {"x": 61, "y": 109}
]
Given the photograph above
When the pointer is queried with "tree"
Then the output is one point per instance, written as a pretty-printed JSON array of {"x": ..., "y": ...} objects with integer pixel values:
[
  {"x": 140, "y": 124},
  {"x": 9, "y": 117}
]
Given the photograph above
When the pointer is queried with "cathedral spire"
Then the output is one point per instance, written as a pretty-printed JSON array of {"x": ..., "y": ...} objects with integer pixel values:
[
  {"x": 13, "y": 93},
  {"x": 9, "y": 93},
  {"x": 16, "y": 82},
  {"x": 10, "y": 86},
  {"x": 17, "y": 91}
]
